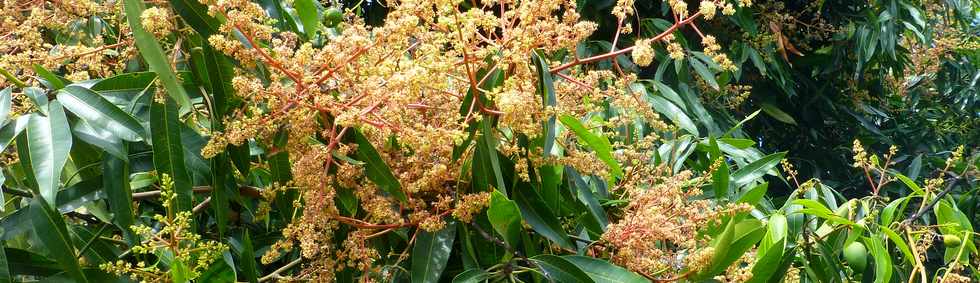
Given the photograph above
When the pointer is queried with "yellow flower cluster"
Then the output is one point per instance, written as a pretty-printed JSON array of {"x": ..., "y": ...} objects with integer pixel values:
[
  {"x": 157, "y": 21},
  {"x": 643, "y": 52}
]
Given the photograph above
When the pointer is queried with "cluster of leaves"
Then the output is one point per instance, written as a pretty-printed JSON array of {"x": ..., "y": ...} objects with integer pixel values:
[{"x": 98, "y": 170}]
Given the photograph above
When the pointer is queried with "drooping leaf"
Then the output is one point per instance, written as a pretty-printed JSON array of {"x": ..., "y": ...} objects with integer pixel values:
[
  {"x": 602, "y": 271},
  {"x": 115, "y": 181},
  {"x": 558, "y": 269},
  {"x": 168, "y": 151},
  {"x": 5, "y": 102},
  {"x": 48, "y": 78},
  {"x": 536, "y": 213},
  {"x": 375, "y": 168},
  {"x": 431, "y": 253},
  {"x": 546, "y": 87},
  {"x": 247, "y": 259},
  {"x": 778, "y": 114},
  {"x": 153, "y": 54},
  {"x": 599, "y": 144},
  {"x": 44, "y": 145},
  {"x": 720, "y": 180},
  {"x": 472, "y": 276},
  {"x": 101, "y": 113},
  {"x": 757, "y": 168},
  {"x": 505, "y": 217},
  {"x": 50, "y": 228},
  {"x": 673, "y": 113},
  {"x": 309, "y": 14}
]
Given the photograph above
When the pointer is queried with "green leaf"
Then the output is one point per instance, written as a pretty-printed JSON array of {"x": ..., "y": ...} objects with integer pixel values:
[
  {"x": 754, "y": 195},
  {"x": 900, "y": 243},
  {"x": 505, "y": 218},
  {"x": 50, "y": 229},
  {"x": 5, "y": 275},
  {"x": 39, "y": 97},
  {"x": 541, "y": 219},
  {"x": 757, "y": 168},
  {"x": 154, "y": 56},
  {"x": 431, "y": 252},
  {"x": 546, "y": 87},
  {"x": 5, "y": 101},
  {"x": 53, "y": 80},
  {"x": 602, "y": 271},
  {"x": 734, "y": 241},
  {"x": 11, "y": 130},
  {"x": 472, "y": 276},
  {"x": 777, "y": 113},
  {"x": 196, "y": 16},
  {"x": 587, "y": 197},
  {"x": 673, "y": 113},
  {"x": 219, "y": 272},
  {"x": 168, "y": 151},
  {"x": 738, "y": 143},
  {"x": 247, "y": 258},
  {"x": 720, "y": 180},
  {"x": 740, "y": 123},
  {"x": 668, "y": 93},
  {"x": 883, "y": 260},
  {"x": 309, "y": 15},
  {"x": 101, "y": 113},
  {"x": 47, "y": 141},
  {"x": 597, "y": 143},
  {"x": 179, "y": 272},
  {"x": 376, "y": 169},
  {"x": 911, "y": 184},
  {"x": 115, "y": 182},
  {"x": 704, "y": 73},
  {"x": 558, "y": 269}
]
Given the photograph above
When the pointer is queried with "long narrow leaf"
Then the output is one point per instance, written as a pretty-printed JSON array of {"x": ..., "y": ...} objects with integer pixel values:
[{"x": 154, "y": 56}]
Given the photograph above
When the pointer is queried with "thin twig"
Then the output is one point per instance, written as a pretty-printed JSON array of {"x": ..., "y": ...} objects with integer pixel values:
[{"x": 275, "y": 273}]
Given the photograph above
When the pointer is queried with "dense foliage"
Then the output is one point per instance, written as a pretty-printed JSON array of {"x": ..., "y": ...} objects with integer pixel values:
[{"x": 489, "y": 140}]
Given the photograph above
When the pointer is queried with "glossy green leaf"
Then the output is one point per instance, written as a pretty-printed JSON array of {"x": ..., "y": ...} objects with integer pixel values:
[
  {"x": 196, "y": 15},
  {"x": 704, "y": 73},
  {"x": 558, "y": 269},
  {"x": 883, "y": 260},
  {"x": 154, "y": 56},
  {"x": 115, "y": 181},
  {"x": 673, "y": 113},
  {"x": 375, "y": 167},
  {"x": 247, "y": 259},
  {"x": 778, "y": 114},
  {"x": 757, "y": 168},
  {"x": 599, "y": 144},
  {"x": 536, "y": 213},
  {"x": 100, "y": 113},
  {"x": 12, "y": 129},
  {"x": 505, "y": 218},
  {"x": 47, "y": 141},
  {"x": 472, "y": 276},
  {"x": 910, "y": 183},
  {"x": 309, "y": 15},
  {"x": 4, "y": 267},
  {"x": 168, "y": 151},
  {"x": 5, "y": 101},
  {"x": 546, "y": 87},
  {"x": 51, "y": 229},
  {"x": 602, "y": 271},
  {"x": 431, "y": 253},
  {"x": 720, "y": 180},
  {"x": 754, "y": 195},
  {"x": 50, "y": 78},
  {"x": 39, "y": 97}
]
